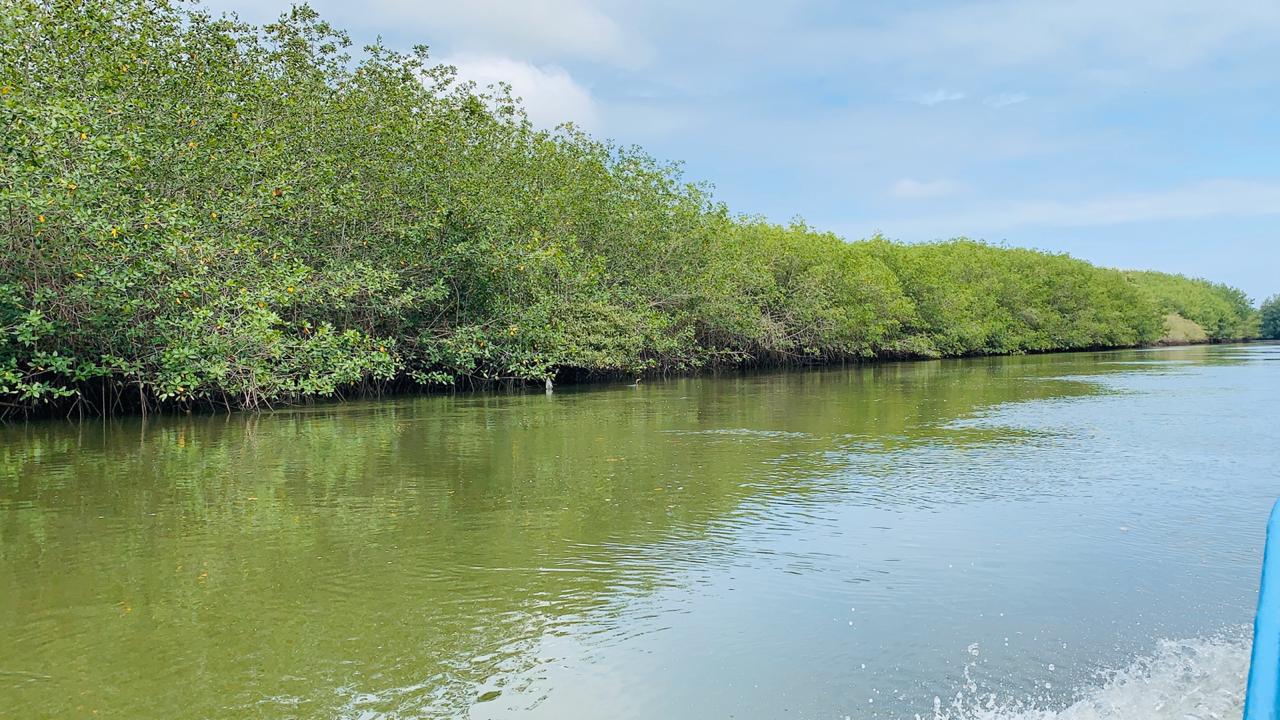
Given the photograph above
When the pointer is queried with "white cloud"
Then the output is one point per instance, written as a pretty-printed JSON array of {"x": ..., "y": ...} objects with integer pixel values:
[
  {"x": 539, "y": 30},
  {"x": 1005, "y": 99},
  {"x": 937, "y": 97},
  {"x": 1214, "y": 198},
  {"x": 542, "y": 30},
  {"x": 909, "y": 189},
  {"x": 1093, "y": 38},
  {"x": 548, "y": 93}
]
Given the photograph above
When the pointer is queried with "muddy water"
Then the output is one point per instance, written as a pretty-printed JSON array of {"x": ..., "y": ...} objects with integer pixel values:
[{"x": 1073, "y": 535}]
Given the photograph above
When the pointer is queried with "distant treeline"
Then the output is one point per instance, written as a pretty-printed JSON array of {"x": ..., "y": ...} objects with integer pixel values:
[
  {"x": 196, "y": 210},
  {"x": 1270, "y": 318}
]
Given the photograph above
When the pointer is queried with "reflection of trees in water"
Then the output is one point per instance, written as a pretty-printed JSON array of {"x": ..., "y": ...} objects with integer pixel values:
[{"x": 412, "y": 554}]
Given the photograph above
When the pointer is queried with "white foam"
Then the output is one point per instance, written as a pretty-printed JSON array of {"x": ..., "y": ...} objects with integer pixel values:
[{"x": 1201, "y": 679}]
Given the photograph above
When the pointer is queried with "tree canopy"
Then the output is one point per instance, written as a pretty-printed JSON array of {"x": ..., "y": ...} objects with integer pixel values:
[
  {"x": 198, "y": 210},
  {"x": 1270, "y": 318}
]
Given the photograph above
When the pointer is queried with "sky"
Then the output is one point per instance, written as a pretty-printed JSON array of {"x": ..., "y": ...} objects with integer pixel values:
[{"x": 1134, "y": 134}]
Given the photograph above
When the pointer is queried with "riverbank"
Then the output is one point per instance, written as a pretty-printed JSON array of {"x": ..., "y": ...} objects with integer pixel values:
[
  {"x": 936, "y": 308},
  {"x": 297, "y": 225},
  {"x": 393, "y": 391}
]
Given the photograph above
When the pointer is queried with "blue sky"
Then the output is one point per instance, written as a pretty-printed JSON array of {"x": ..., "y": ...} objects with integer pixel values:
[{"x": 1143, "y": 133}]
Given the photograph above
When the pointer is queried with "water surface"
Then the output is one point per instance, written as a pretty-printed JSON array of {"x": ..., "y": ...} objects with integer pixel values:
[{"x": 1073, "y": 535}]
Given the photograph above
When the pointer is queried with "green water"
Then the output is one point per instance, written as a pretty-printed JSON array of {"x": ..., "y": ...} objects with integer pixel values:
[{"x": 853, "y": 541}]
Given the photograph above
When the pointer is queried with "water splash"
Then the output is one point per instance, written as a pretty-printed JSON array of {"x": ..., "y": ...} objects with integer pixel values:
[{"x": 1200, "y": 679}]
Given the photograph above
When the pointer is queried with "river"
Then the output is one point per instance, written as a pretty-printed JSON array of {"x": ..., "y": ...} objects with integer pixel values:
[{"x": 1070, "y": 535}]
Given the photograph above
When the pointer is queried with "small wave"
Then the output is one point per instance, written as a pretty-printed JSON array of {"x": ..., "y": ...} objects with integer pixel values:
[
  {"x": 1201, "y": 679},
  {"x": 742, "y": 432}
]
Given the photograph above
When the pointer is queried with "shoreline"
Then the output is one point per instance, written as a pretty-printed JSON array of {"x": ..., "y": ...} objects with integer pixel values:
[{"x": 583, "y": 382}]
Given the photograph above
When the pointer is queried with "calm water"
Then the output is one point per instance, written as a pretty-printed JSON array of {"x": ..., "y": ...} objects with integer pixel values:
[{"x": 1063, "y": 535}]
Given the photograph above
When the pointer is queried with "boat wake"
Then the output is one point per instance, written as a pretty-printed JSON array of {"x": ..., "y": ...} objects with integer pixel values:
[{"x": 1201, "y": 679}]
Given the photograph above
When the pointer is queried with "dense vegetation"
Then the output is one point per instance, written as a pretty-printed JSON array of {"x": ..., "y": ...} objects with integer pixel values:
[
  {"x": 1222, "y": 311},
  {"x": 1270, "y": 318},
  {"x": 195, "y": 211}
]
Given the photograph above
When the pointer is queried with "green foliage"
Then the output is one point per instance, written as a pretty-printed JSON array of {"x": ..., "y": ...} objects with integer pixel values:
[
  {"x": 972, "y": 298},
  {"x": 198, "y": 210},
  {"x": 1269, "y": 318},
  {"x": 1224, "y": 312}
]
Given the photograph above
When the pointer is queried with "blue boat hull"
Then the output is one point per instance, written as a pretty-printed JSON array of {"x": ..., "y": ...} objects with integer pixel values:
[{"x": 1262, "y": 699}]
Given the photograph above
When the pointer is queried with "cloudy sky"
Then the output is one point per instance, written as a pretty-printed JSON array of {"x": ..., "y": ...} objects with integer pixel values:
[{"x": 1142, "y": 133}]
